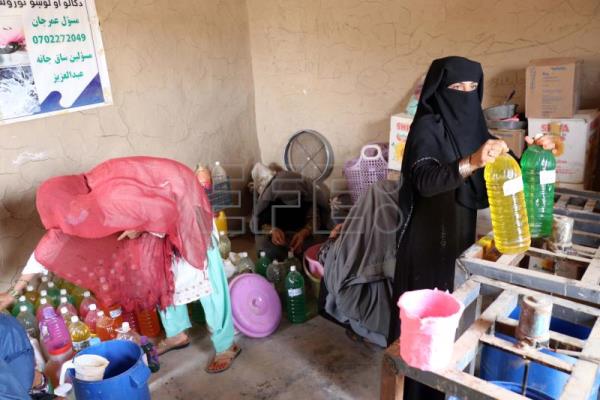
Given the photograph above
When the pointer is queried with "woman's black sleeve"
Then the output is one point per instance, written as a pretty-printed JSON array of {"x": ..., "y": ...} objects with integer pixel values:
[{"x": 431, "y": 178}]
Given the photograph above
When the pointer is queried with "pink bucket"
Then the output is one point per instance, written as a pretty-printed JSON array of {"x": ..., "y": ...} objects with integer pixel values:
[
  {"x": 429, "y": 321},
  {"x": 311, "y": 257}
]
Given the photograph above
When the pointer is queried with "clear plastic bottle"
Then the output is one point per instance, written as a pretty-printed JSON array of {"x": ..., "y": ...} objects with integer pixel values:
[
  {"x": 91, "y": 317},
  {"x": 80, "y": 334},
  {"x": 276, "y": 275},
  {"x": 126, "y": 333},
  {"x": 85, "y": 303},
  {"x": 221, "y": 222},
  {"x": 64, "y": 302},
  {"x": 224, "y": 245},
  {"x": 104, "y": 327},
  {"x": 262, "y": 264},
  {"x": 295, "y": 296},
  {"x": 43, "y": 295},
  {"x": 291, "y": 260},
  {"x": 507, "y": 205},
  {"x": 218, "y": 174},
  {"x": 44, "y": 283},
  {"x": 28, "y": 322},
  {"x": 64, "y": 293},
  {"x": 148, "y": 322},
  {"x": 53, "y": 294},
  {"x": 66, "y": 314},
  {"x": 53, "y": 331},
  {"x": 539, "y": 176},
  {"x": 131, "y": 319},
  {"x": 22, "y": 301},
  {"x": 42, "y": 304},
  {"x": 31, "y": 295},
  {"x": 245, "y": 265}
]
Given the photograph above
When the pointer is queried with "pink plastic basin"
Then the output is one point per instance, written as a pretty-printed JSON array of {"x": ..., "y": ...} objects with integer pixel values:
[
  {"x": 429, "y": 319},
  {"x": 314, "y": 266}
]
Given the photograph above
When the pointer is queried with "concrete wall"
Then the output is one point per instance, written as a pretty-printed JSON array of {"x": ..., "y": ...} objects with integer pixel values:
[
  {"x": 343, "y": 67},
  {"x": 182, "y": 83}
]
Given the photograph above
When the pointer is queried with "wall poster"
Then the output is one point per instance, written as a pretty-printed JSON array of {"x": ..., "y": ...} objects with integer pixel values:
[{"x": 51, "y": 59}]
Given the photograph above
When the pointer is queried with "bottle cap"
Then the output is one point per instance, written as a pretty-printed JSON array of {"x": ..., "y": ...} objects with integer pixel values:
[
  {"x": 63, "y": 292},
  {"x": 87, "y": 293},
  {"x": 290, "y": 254},
  {"x": 64, "y": 310},
  {"x": 244, "y": 254},
  {"x": 222, "y": 233},
  {"x": 275, "y": 262},
  {"x": 125, "y": 326},
  {"x": 263, "y": 254},
  {"x": 43, "y": 300},
  {"x": 217, "y": 163},
  {"x": 30, "y": 288},
  {"x": 45, "y": 273},
  {"x": 100, "y": 313},
  {"x": 22, "y": 299},
  {"x": 50, "y": 284},
  {"x": 74, "y": 319},
  {"x": 93, "y": 307},
  {"x": 292, "y": 268},
  {"x": 23, "y": 308},
  {"x": 44, "y": 293},
  {"x": 63, "y": 300},
  {"x": 45, "y": 277}
]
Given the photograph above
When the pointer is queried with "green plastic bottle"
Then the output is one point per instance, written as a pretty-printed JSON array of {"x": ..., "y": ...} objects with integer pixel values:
[
  {"x": 295, "y": 298},
  {"x": 539, "y": 176},
  {"x": 507, "y": 205},
  {"x": 262, "y": 264},
  {"x": 53, "y": 294},
  {"x": 22, "y": 301}
]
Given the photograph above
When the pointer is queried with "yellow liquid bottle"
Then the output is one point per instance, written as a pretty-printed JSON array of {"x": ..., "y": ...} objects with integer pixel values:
[
  {"x": 507, "y": 205},
  {"x": 80, "y": 334}
]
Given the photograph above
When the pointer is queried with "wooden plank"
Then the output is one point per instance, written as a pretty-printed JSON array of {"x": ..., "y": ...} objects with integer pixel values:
[
  {"x": 510, "y": 259},
  {"x": 534, "y": 279},
  {"x": 467, "y": 292},
  {"x": 389, "y": 389},
  {"x": 562, "y": 201},
  {"x": 584, "y": 375},
  {"x": 589, "y": 206},
  {"x": 592, "y": 274},
  {"x": 465, "y": 348},
  {"x": 555, "y": 337},
  {"x": 528, "y": 352}
]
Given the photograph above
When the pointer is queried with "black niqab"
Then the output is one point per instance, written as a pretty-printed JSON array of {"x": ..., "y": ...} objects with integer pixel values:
[{"x": 449, "y": 124}]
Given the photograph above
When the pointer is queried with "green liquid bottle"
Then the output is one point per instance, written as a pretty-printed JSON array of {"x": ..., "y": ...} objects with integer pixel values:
[
  {"x": 22, "y": 301},
  {"x": 262, "y": 264},
  {"x": 539, "y": 176},
  {"x": 507, "y": 205},
  {"x": 295, "y": 298},
  {"x": 53, "y": 294}
]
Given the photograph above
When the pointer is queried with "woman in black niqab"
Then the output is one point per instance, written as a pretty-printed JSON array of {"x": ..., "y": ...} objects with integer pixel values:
[{"x": 447, "y": 145}]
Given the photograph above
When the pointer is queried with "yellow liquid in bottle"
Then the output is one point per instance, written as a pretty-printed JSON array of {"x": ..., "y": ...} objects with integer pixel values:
[
  {"x": 507, "y": 205},
  {"x": 80, "y": 334}
]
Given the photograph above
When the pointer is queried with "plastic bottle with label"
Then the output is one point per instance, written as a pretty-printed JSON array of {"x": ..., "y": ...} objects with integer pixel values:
[
  {"x": 42, "y": 304},
  {"x": 53, "y": 294},
  {"x": 114, "y": 312},
  {"x": 276, "y": 275},
  {"x": 80, "y": 334},
  {"x": 262, "y": 264},
  {"x": 539, "y": 177},
  {"x": 28, "y": 322},
  {"x": 224, "y": 245},
  {"x": 22, "y": 301},
  {"x": 507, "y": 205},
  {"x": 218, "y": 175},
  {"x": 126, "y": 333},
  {"x": 86, "y": 301},
  {"x": 221, "y": 222},
  {"x": 53, "y": 331},
  {"x": 295, "y": 296}
]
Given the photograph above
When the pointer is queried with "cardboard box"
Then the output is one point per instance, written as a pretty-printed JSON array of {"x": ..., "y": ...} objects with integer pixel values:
[
  {"x": 552, "y": 88},
  {"x": 514, "y": 138},
  {"x": 399, "y": 127},
  {"x": 575, "y": 162}
]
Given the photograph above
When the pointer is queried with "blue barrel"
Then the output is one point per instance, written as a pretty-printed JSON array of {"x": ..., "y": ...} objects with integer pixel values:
[
  {"x": 499, "y": 365},
  {"x": 516, "y": 388},
  {"x": 126, "y": 376}
]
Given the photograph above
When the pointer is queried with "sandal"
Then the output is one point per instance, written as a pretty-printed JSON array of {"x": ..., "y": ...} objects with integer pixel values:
[
  {"x": 226, "y": 358},
  {"x": 163, "y": 347}
]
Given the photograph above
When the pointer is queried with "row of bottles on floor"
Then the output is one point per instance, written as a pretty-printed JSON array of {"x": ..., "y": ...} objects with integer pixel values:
[{"x": 521, "y": 204}]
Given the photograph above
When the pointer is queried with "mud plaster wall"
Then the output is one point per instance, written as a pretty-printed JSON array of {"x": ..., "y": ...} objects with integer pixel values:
[
  {"x": 343, "y": 67},
  {"x": 182, "y": 86}
]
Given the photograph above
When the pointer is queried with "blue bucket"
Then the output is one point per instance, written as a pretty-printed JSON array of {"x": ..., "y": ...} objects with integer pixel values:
[
  {"x": 499, "y": 365},
  {"x": 126, "y": 377},
  {"x": 516, "y": 388}
]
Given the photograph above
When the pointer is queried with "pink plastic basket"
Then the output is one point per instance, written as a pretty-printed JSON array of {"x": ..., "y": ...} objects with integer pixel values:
[{"x": 364, "y": 171}]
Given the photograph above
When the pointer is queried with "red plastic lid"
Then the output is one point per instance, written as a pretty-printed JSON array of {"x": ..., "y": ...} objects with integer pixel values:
[
  {"x": 255, "y": 305},
  {"x": 61, "y": 350}
]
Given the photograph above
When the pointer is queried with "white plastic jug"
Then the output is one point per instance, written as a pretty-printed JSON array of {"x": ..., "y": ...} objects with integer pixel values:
[{"x": 88, "y": 367}]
